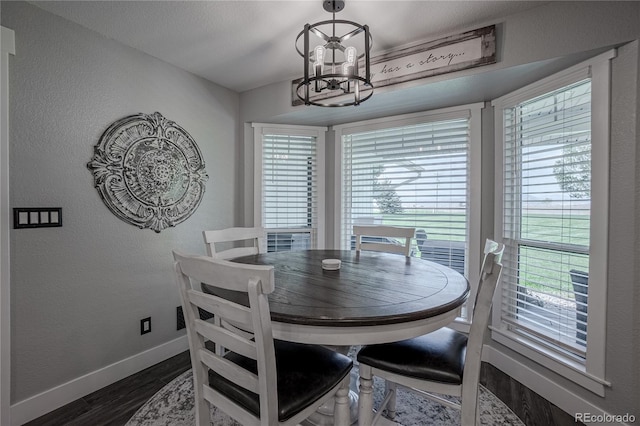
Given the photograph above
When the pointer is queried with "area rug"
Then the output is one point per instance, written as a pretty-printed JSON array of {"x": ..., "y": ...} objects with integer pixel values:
[{"x": 173, "y": 406}]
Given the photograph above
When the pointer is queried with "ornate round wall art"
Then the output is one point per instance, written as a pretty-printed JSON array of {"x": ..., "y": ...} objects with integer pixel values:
[{"x": 149, "y": 171}]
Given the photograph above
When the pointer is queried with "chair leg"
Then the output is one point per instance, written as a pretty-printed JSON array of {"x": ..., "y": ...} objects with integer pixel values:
[
  {"x": 203, "y": 417},
  {"x": 392, "y": 390},
  {"x": 365, "y": 399},
  {"x": 469, "y": 412},
  {"x": 469, "y": 418},
  {"x": 341, "y": 411},
  {"x": 469, "y": 401}
]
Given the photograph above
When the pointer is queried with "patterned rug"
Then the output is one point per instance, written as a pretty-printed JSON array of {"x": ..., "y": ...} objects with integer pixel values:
[{"x": 173, "y": 406}]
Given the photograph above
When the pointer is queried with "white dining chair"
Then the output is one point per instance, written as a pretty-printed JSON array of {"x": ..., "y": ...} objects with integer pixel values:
[
  {"x": 258, "y": 380},
  {"x": 444, "y": 362},
  {"x": 377, "y": 233},
  {"x": 257, "y": 237}
]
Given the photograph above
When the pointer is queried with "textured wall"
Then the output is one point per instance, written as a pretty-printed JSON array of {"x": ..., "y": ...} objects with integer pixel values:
[{"x": 78, "y": 292}]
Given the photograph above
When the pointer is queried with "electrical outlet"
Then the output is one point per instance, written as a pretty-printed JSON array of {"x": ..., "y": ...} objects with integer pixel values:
[{"x": 145, "y": 325}]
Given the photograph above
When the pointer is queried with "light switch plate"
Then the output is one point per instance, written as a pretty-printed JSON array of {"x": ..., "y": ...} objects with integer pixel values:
[{"x": 37, "y": 217}]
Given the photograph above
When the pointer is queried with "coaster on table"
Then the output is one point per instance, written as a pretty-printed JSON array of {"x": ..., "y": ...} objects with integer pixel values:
[{"x": 331, "y": 264}]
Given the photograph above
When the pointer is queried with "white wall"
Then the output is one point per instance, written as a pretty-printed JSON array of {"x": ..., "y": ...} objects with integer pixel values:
[
  {"x": 556, "y": 29},
  {"x": 78, "y": 292}
]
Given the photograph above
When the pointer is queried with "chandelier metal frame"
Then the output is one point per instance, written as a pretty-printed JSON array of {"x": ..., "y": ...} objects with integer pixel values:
[{"x": 333, "y": 71}]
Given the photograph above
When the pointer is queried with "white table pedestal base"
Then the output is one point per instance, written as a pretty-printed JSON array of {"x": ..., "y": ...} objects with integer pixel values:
[{"x": 324, "y": 415}]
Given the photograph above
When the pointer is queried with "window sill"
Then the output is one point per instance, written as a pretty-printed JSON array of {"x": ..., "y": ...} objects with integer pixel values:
[{"x": 555, "y": 362}]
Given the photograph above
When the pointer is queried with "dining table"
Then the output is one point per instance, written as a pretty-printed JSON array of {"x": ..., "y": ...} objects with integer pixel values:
[{"x": 373, "y": 297}]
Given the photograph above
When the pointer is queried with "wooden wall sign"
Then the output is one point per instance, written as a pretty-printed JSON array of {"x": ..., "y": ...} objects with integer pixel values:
[
  {"x": 454, "y": 53},
  {"x": 149, "y": 171}
]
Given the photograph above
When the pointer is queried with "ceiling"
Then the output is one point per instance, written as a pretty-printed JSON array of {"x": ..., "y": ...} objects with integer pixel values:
[
  {"x": 243, "y": 44},
  {"x": 246, "y": 44}
]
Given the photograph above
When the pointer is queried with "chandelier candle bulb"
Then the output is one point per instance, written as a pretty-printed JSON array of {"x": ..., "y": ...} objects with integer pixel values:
[
  {"x": 319, "y": 54},
  {"x": 350, "y": 54},
  {"x": 319, "y": 61}
]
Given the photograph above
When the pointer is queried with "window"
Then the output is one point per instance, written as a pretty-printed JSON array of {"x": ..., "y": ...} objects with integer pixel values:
[
  {"x": 547, "y": 199},
  {"x": 416, "y": 170},
  {"x": 551, "y": 178},
  {"x": 289, "y": 186}
]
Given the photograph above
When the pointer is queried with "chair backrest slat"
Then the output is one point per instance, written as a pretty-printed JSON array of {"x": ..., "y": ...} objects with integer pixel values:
[
  {"x": 234, "y": 313},
  {"x": 256, "y": 235},
  {"x": 235, "y": 252},
  {"x": 399, "y": 232},
  {"x": 230, "y": 370},
  {"x": 232, "y": 276},
  {"x": 382, "y": 247},
  {"x": 226, "y": 338}
]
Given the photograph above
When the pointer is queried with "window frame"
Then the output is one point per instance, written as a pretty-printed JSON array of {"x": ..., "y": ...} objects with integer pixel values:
[
  {"x": 261, "y": 129},
  {"x": 591, "y": 373},
  {"x": 474, "y": 113}
]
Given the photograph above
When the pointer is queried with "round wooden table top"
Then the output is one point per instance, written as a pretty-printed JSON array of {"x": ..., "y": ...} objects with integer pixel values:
[{"x": 370, "y": 288}]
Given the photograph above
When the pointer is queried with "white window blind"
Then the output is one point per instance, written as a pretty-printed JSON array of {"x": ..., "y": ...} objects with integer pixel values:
[
  {"x": 412, "y": 175},
  {"x": 289, "y": 193},
  {"x": 546, "y": 217}
]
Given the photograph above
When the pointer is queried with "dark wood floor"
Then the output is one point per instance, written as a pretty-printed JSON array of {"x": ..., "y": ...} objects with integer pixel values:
[{"x": 115, "y": 404}]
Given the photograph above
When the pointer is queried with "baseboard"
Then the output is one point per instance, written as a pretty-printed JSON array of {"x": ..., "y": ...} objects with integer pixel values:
[
  {"x": 561, "y": 397},
  {"x": 49, "y": 400}
]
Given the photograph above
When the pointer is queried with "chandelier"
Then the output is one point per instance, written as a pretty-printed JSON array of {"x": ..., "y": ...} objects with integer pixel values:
[{"x": 332, "y": 74}]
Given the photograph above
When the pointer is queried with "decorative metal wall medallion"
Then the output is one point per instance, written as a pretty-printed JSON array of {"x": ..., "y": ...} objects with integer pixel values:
[{"x": 149, "y": 171}]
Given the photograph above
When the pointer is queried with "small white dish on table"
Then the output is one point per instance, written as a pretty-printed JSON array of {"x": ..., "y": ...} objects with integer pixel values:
[{"x": 331, "y": 264}]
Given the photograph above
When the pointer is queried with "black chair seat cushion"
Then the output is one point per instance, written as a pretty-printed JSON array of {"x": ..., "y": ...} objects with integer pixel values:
[
  {"x": 304, "y": 374},
  {"x": 437, "y": 356}
]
